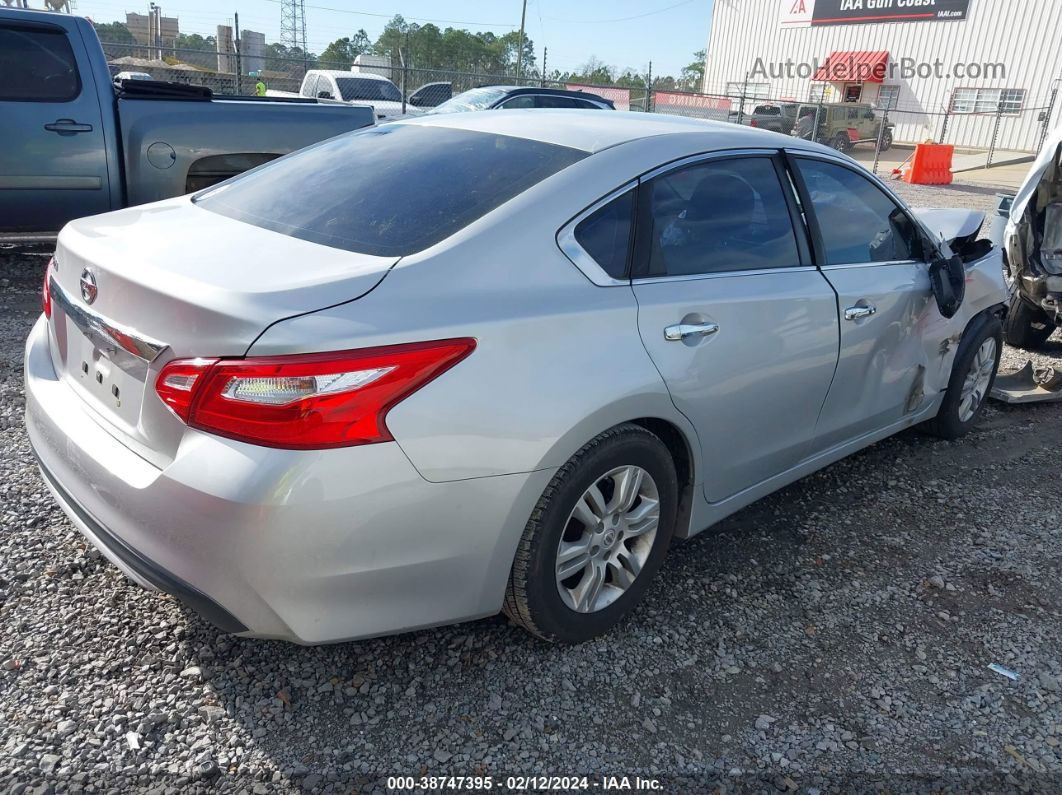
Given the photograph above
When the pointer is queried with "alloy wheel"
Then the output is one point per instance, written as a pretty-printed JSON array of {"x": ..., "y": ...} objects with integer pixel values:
[
  {"x": 607, "y": 539},
  {"x": 975, "y": 386}
]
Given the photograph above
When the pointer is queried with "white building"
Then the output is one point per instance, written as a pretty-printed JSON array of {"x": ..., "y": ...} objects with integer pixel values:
[{"x": 931, "y": 62}]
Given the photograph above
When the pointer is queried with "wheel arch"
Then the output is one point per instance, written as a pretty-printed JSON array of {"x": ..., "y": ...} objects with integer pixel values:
[{"x": 658, "y": 416}]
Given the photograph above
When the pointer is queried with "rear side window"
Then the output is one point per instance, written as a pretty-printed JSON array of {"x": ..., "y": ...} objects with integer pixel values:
[
  {"x": 857, "y": 221},
  {"x": 353, "y": 88},
  {"x": 37, "y": 65},
  {"x": 388, "y": 191},
  {"x": 550, "y": 101},
  {"x": 605, "y": 234},
  {"x": 308, "y": 86},
  {"x": 719, "y": 217}
]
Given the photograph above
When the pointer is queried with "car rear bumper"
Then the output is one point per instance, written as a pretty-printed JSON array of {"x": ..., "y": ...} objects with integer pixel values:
[{"x": 307, "y": 546}]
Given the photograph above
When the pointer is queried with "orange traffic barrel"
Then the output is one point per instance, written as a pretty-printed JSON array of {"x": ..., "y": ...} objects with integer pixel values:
[{"x": 931, "y": 165}]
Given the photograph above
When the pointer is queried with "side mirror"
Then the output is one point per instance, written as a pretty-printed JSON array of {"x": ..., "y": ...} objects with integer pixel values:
[
  {"x": 324, "y": 94},
  {"x": 947, "y": 279}
]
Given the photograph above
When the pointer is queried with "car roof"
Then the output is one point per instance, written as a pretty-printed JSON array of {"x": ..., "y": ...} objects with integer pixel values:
[
  {"x": 593, "y": 131},
  {"x": 560, "y": 92},
  {"x": 342, "y": 73}
]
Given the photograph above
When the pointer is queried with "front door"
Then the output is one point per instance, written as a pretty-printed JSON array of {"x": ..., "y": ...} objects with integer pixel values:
[
  {"x": 871, "y": 252},
  {"x": 740, "y": 325},
  {"x": 53, "y": 166}
]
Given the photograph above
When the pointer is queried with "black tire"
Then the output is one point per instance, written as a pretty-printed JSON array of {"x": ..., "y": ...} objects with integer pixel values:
[
  {"x": 886, "y": 141},
  {"x": 948, "y": 424},
  {"x": 841, "y": 142},
  {"x": 532, "y": 598},
  {"x": 1026, "y": 326}
]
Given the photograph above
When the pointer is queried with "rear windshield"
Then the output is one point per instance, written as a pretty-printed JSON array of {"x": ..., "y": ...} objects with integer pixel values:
[
  {"x": 473, "y": 99},
  {"x": 388, "y": 191},
  {"x": 351, "y": 88}
]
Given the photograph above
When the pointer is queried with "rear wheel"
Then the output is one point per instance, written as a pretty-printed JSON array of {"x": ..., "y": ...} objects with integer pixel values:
[
  {"x": 886, "y": 141},
  {"x": 972, "y": 377},
  {"x": 841, "y": 142},
  {"x": 1026, "y": 326},
  {"x": 596, "y": 537}
]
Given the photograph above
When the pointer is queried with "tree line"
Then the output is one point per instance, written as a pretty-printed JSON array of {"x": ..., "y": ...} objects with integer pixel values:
[{"x": 426, "y": 47}]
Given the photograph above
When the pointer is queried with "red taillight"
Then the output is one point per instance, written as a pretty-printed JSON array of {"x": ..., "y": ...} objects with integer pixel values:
[
  {"x": 753, "y": 123},
  {"x": 307, "y": 401},
  {"x": 46, "y": 296}
]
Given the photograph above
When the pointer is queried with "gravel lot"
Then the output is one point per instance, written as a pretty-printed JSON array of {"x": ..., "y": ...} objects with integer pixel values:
[{"x": 834, "y": 637}]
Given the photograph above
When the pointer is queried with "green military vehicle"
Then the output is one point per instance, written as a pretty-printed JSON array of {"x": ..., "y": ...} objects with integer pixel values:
[{"x": 842, "y": 125}]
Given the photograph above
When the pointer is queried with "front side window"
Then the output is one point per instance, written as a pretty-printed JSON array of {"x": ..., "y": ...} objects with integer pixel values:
[
  {"x": 388, "y": 191},
  {"x": 523, "y": 101},
  {"x": 37, "y": 65},
  {"x": 473, "y": 99},
  {"x": 355, "y": 88},
  {"x": 719, "y": 216},
  {"x": 857, "y": 220},
  {"x": 605, "y": 234}
]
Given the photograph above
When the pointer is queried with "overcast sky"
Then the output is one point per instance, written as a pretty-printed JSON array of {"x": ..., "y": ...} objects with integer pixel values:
[{"x": 623, "y": 33}]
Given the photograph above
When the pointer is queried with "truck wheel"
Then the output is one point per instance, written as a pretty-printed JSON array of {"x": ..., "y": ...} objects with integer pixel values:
[
  {"x": 972, "y": 376},
  {"x": 596, "y": 537},
  {"x": 841, "y": 142},
  {"x": 1026, "y": 326},
  {"x": 886, "y": 141}
]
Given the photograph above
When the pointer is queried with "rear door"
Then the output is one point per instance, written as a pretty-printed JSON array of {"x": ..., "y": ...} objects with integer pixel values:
[
  {"x": 740, "y": 325},
  {"x": 53, "y": 164},
  {"x": 871, "y": 252}
]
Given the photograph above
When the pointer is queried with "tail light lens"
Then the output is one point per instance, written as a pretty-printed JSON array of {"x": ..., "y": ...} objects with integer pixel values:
[
  {"x": 303, "y": 402},
  {"x": 46, "y": 296},
  {"x": 753, "y": 123}
]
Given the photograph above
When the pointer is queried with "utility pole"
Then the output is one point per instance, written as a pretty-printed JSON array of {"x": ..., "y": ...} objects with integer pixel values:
[
  {"x": 545, "y": 54},
  {"x": 236, "y": 46},
  {"x": 520, "y": 51}
]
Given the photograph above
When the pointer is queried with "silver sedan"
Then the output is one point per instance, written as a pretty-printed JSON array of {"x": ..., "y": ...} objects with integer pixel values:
[{"x": 473, "y": 362}]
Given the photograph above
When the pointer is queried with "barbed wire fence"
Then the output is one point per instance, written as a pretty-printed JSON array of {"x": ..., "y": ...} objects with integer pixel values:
[{"x": 985, "y": 130}]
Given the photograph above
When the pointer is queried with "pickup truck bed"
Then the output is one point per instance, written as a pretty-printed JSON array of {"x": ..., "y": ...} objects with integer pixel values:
[{"x": 73, "y": 145}]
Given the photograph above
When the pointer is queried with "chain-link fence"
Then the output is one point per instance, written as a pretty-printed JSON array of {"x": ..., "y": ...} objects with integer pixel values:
[{"x": 865, "y": 130}]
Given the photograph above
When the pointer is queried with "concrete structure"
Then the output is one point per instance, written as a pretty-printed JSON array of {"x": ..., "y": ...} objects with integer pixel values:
[
  {"x": 226, "y": 50},
  {"x": 252, "y": 51},
  {"x": 943, "y": 62},
  {"x": 153, "y": 30}
]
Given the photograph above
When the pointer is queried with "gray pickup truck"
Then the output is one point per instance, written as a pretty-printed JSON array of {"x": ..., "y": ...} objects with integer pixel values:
[
  {"x": 777, "y": 116},
  {"x": 72, "y": 144}
]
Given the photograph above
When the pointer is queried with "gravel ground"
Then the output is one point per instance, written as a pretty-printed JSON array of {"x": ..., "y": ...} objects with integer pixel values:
[{"x": 834, "y": 637}]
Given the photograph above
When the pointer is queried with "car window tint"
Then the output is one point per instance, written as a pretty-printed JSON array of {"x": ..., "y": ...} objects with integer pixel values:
[
  {"x": 390, "y": 190},
  {"x": 727, "y": 215},
  {"x": 858, "y": 222},
  {"x": 549, "y": 101},
  {"x": 355, "y": 88},
  {"x": 524, "y": 101},
  {"x": 37, "y": 65},
  {"x": 584, "y": 104},
  {"x": 605, "y": 234}
]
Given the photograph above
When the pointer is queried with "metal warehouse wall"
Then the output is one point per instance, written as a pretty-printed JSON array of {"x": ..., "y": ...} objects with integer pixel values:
[{"x": 1024, "y": 35}]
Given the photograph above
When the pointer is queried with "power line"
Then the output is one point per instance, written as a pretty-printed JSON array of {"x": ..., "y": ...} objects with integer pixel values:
[
  {"x": 621, "y": 19},
  {"x": 415, "y": 19}
]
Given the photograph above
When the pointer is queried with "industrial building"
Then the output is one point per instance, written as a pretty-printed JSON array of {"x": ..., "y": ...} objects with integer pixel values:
[{"x": 974, "y": 73}]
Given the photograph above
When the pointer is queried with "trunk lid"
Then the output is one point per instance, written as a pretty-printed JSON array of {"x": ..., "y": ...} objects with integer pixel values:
[{"x": 172, "y": 280}]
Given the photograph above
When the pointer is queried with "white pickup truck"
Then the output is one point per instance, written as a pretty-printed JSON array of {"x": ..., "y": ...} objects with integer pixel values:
[{"x": 367, "y": 88}]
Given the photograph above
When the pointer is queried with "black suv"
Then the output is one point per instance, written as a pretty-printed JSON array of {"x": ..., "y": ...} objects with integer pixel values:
[{"x": 511, "y": 97}]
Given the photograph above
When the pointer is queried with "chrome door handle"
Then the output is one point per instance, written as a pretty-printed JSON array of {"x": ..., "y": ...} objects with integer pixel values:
[
  {"x": 858, "y": 312},
  {"x": 683, "y": 330},
  {"x": 62, "y": 126}
]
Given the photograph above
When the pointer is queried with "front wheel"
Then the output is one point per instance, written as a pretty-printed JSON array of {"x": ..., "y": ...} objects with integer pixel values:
[
  {"x": 972, "y": 376},
  {"x": 886, "y": 141},
  {"x": 1026, "y": 326},
  {"x": 596, "y": 537}
]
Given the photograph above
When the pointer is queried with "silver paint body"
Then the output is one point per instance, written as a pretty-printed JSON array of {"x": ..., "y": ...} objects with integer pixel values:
[{"x": 350, "y": 542}]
